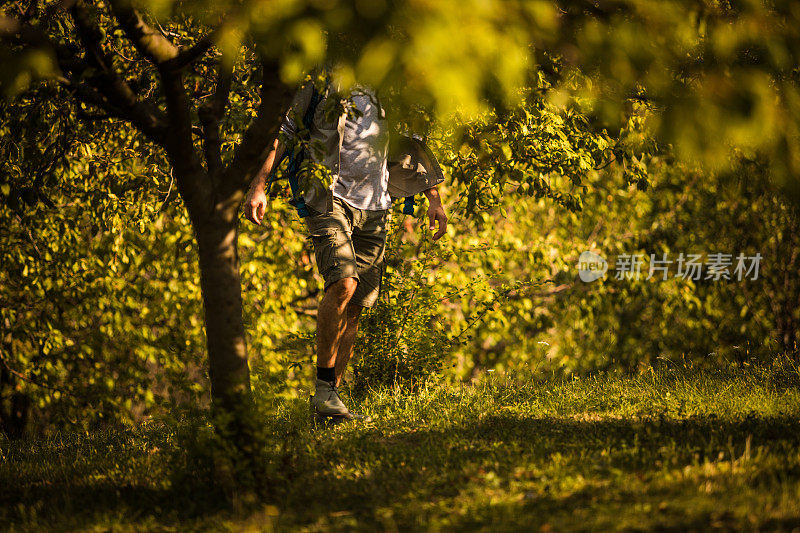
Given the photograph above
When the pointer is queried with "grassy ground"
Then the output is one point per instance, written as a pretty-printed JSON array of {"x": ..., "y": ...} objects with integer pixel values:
[{"x": 669, "y": 449}]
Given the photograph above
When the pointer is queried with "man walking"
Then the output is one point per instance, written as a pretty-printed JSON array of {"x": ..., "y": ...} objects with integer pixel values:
[{"x": 348, "y": 220}]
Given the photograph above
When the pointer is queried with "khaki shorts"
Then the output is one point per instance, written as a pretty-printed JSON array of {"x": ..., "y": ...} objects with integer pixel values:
[{"x": 349, "y": 243}]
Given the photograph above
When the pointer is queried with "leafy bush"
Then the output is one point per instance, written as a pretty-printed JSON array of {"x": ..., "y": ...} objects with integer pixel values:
[
  {"x": 409, "y": 337},
  {"x": 402, "y": 339}
]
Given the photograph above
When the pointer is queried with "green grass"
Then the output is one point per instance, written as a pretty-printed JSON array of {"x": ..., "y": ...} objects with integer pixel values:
[{"x": 669, "y": 449}]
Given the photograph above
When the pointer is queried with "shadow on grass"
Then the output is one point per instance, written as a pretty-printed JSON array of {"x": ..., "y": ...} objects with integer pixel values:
[
  {"x": 67, "y": 505},
  {"x": 503, "y": 470},
  {"x": 532, "y": 462}
]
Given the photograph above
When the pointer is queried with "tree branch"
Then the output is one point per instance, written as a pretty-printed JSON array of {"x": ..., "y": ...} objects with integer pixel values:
[
  {"x": 158, "y": 49},
  {"x": 187, "y": 56},
  {"x": 109, "y": 83},
  {"x": 61, "y": 5},
  {"x": 191, "y": 178},
  {"x": 155, "y": 46},
  {"x": 149, "y": 42},
  {"x": 87, "y": 94},
  {"x": 256, "y": 141},
  {"x": 105, "y": 89},
  {"x": 179, "y": 144},
  {"x": 211, "y": 114}
]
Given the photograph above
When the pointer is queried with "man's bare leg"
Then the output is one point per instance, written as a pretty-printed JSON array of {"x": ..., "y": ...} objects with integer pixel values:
[
  {"x": 332, "y": 320},
  {"x": 347, "y": 340}
]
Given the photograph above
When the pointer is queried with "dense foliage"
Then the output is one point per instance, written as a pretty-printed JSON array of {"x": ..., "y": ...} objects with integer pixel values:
[
  {"x": 562, "y": 128},
  {"x": 101, "y": 317}
]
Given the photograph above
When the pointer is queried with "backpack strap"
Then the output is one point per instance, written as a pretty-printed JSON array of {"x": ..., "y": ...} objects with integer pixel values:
[
  {"x": 296, "y": 159},
  {"x": 408, "y": 205}
]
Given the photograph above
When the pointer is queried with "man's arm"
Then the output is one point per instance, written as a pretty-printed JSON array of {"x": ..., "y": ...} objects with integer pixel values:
[
  {"x": 256, "y": 203},
  {"x": 436, "y": 212},
  {"x": 260, "y": 181}
]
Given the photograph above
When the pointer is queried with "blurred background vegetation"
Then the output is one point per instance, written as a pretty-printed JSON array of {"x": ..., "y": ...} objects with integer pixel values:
[{"x": 617, "y": 127}]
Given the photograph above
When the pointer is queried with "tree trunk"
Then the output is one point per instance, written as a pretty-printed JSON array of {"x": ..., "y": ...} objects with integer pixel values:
[
  {"x": 233, "y": 413},
  {"x": 216, "y": 231},
  {"x": 222, "y": 301},
  {"x": 214, "y": 219},
  {"x": 14, "y": 406}
]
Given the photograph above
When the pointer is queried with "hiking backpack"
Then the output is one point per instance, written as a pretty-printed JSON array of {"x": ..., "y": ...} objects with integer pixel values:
[{"x": 296, "y": 159}]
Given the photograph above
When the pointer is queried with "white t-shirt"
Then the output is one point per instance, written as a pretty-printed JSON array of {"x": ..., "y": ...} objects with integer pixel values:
[{"x": 363, "y": 174}]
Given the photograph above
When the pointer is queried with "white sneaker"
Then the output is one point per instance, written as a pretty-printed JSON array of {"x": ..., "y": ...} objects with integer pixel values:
[{"x": 326, "y": 400}]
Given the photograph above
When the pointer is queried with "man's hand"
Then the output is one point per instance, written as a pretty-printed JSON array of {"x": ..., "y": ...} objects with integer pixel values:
[
  {"x": 255, "y": 205},
  {"x": 436, "y": 213}
]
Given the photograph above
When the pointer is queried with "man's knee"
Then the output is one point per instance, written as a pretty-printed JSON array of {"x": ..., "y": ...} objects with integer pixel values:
[{"x": 342, "y": 290}]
